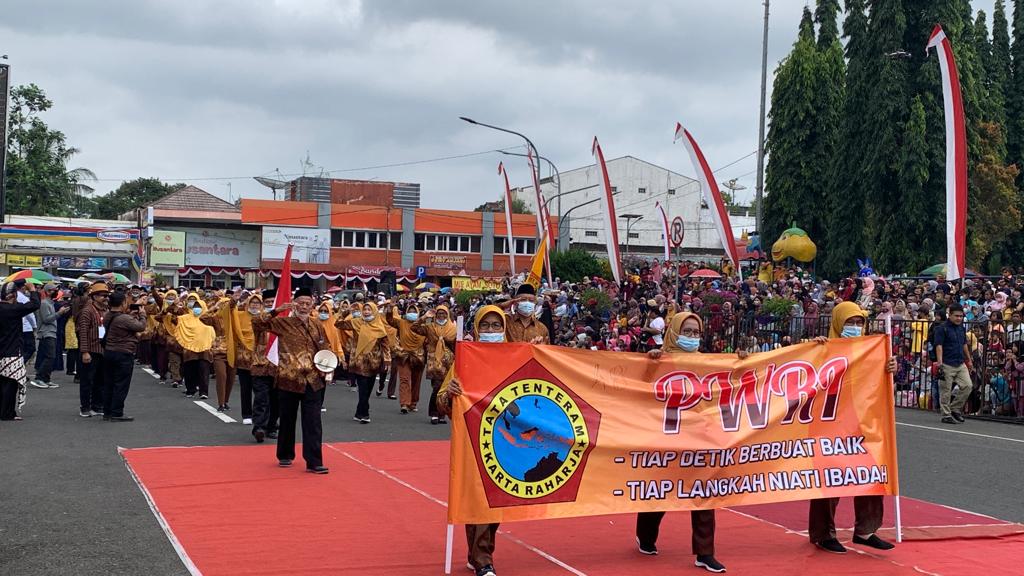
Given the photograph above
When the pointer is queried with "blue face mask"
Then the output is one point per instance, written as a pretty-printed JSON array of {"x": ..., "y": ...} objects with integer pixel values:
[
  {"x": 526, "y": 308},
  {"x": 412, "y": 316},
  {"x": 441, "y": 321},
  {"x": 197, "y": 310},
  {"x": 324, "y": 315},
  {"x": 851, "y": 332},
  {"x": 688, "y": 343},
  {"x": 492, "y": 337},
  {"x": 357, "y": 314},
  {"x": 254, "y": 312},
  {"x": 369, "y": 317}
]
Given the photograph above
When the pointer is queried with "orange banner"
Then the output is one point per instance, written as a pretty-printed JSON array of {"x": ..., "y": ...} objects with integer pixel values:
[{"x": 551, "y": 432}]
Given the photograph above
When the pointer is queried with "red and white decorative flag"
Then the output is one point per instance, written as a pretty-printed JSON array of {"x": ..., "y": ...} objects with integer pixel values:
[
  {"x": 284, "y": 296},
  {"x": 664, "y": 227},
  {"x": 508, "y": 221},
  {"x": 543, "y": 218},
  {"x": 956, "y": 156},
  {"x": 611, "y": 228},
  {"x": 707, "y": 183}
]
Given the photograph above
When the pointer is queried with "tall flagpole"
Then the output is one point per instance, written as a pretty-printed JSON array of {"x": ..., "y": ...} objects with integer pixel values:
[{"x": 760, "y": 125}]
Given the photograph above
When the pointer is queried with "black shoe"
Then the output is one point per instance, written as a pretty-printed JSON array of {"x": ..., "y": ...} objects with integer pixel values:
[
  {"x": 317, "y": 469},
  {"x": 831, "y": 545},
  {"x": 648, "y": 549},
  {"x": 204, "y": 397},
  {"x": 220, "y": 408},
  {"x": 392, "y": 397},
  {"x": 709, "y": 563},
  {"x": 434, "y": 420},
  {"x": 284, "y": 463},
  {"x": 259, "y": 435},
  {"x": 442, "y": 421},
  {"x": 106, "y": 418},
  {"x": 379, "y": 392},
  {"x": 272, "y": 435},
  {"x": 486, "y": 571},
  {"x": 120, "y": 418},
  {"x": 187, "y": 395},
  {"x": 175, "y": 384},
  {"x": 404, "y": 410},
  {"x": 227, "y": 408},
  {"x": 949, "y": 420},
  {"x": 959, "y": 417},
  {"x": 873, "y": 541}
]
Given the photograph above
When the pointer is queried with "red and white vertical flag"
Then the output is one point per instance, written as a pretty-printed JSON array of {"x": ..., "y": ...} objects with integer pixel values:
[
  {"x": 664, "y": 227},
  {"x": 543, "y": 217},
  {"x": 611, "y": 228},
  {"x": 956, "y": 156},
  {"x": 719, "y": 214},
  {"x": 508, "y": 221},
  {"x": 284, "y": 296}
]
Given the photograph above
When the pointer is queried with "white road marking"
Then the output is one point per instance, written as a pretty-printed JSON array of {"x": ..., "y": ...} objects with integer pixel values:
[
  {"x": 178, "y": 548},
  {"x": 529, "y": 547},
  {"x": 960, "y": 432},
  {"x": 224, "y": 417}
]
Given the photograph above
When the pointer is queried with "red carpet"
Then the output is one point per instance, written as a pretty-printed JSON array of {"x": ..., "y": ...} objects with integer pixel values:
[{"x": 231, "y": 510}]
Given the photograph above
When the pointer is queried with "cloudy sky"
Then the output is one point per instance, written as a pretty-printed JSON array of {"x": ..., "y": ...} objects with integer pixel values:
[{"x": 213, "y": 92}]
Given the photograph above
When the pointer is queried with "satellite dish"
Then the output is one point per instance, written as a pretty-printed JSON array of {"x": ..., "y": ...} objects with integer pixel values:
[
  {"x": 272, "y": 183},
  {"x": 733, "y": 185}
]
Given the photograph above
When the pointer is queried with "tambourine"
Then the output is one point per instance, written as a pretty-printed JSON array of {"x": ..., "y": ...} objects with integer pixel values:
[{"x": 325, "y": 361}]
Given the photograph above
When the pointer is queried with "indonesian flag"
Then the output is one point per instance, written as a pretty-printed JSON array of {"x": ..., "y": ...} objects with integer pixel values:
[
  {"x": 608, "y": 211},
  {"x": 284, "y": 295},
  {"x": 543, "y": 217},
  {"x": 664, "y": 227},
  {"x": 956, "y": 156},
  {"x": 707, "y": 182},
  {"x": 508, "y": 220}
]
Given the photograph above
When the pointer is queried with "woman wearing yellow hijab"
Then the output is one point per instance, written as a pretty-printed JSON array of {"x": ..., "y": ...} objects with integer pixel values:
[
  {"x": 848, "y": 321},
  {"x": 408, "y": 356},
  {"x": 371, "y": 354},
  {"x": 682, "y": 336},
  {"x": 196, "y": 340},
  {"x": 489, "y": 326},
  {"x": 439, "y": 330},
  {"x": 170, "y": 306}
]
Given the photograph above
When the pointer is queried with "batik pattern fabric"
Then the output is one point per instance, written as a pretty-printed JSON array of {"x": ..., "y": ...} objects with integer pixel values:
[{"x": 13, "y": 367}]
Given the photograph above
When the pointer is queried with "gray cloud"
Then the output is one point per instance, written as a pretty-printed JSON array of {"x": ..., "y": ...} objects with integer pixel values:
[{"x": 189, "y": 90}]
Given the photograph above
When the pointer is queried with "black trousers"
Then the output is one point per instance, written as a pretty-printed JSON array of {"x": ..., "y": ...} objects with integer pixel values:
[
  {"x": 117, "y": 367},
  {"x": 312, "y": 428},
  {"x": 8, "y": 398},
  {"x": 702, "y": 523},
  {"x": 365, "y": 384},
  {"x": 90, "y": 384},
  {"x": 265, "y": 405},
  {"x": 72, "y": 361},
  {"x": 245, "y": 383},
  {"x": 28, "y": 345},
  {"x": 197, "y": 376},
  {"x": 44, "y": 359}
]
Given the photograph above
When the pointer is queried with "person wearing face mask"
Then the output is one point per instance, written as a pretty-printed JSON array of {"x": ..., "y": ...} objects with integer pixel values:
[
  {"x": 219, "y": 318},
  {"x": 196, "y": 340},
  {"x": 848, "y": 321},
  {"x": 371, "y": 353},
  {"x": 165, "y": 332},
  {"x": 683, "y": 336},
  {"x": 408, "y": 356},
  {"x": 254, "y": 369},
  {"x": 490, "y": 326},
  {"x": 147, "y": 339},
  {"x": 325, "y": 316},
  {"x": 524, "y": 326},
  {"x": 300, "y": 337},
  {"x": 436, "y": 326}
]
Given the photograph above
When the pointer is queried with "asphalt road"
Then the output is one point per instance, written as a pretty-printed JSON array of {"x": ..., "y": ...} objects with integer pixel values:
[{"x": 69, "y": 506}]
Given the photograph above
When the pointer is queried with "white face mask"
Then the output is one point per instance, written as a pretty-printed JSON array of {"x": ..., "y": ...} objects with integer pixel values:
[{"x": 492, "y": 337}]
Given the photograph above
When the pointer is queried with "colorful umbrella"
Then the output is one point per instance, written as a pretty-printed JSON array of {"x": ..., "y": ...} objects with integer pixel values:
[
  {"x": 334, "y": 289},
  {"x": 705, "y": 273},
  {"x": 401, "y": 288},
  {"x": 937, "y": 269},
  {"x": 31, "y": 275},
  {"x": 446, "y": 290},
  {"x": 427, "y": 286},
  {"x": 117, "y": 278}
]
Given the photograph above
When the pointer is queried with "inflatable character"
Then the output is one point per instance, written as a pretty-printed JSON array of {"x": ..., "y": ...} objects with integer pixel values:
[
  {"x": 753, "y": 243},
  {"x": 794, "y": 243},
  {"x": 865, "y": 268}
]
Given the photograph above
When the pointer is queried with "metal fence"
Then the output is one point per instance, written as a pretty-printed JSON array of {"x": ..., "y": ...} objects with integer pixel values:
[{"x": 998, "y": 357}]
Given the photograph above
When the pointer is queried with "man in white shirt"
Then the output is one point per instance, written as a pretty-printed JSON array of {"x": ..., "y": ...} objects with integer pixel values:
[{"x": 28, "y": 330}]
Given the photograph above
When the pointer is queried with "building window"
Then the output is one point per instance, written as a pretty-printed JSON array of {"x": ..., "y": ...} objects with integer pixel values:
[
  {"x": 590, "y": 233},
  {"x": 524, "y": 246},
  {"x": 634, "y": 235},
  {"x": 431, "y": 243},
  {"x": 336, "y": 238},
  {"x": 500, "y": 245},
  {"x": 671, "y": 190},
  {"x": 642, "y": 190},
  {"x": 420, "y": 242},
  {"x": 615, "y": 189},
  {"x": 396, "y": 241},
  {"x": 447, "y": 243},
  {"x": 365, "y": 239},
  {"x": 474, "y": 244}
]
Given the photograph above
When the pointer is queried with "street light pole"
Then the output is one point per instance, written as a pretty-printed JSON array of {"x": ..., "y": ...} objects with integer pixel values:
[
  {"x": 570, "y": 210},
  {"x": 558, "y": 184},
  {"x": 630, "y": 220},
  {"x": 760, "y": 130},
  {"x": 5, "y": 104}
]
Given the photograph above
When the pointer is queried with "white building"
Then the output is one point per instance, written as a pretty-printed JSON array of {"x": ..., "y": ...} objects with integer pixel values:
[{"x": 637, "y": 186}]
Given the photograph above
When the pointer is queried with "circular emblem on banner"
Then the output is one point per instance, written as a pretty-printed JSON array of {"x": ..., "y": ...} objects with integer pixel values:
[
  {"x": 677, "y": 232},
  {"x": 533, "y": 438}
]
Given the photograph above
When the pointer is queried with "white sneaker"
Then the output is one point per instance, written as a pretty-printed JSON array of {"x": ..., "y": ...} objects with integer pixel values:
[
  {"x": 53, "y": 385},
  {"x": 247, "y": 421},
  {"x": 323, "y": 409},
  {"x": 38, "y": 383}
]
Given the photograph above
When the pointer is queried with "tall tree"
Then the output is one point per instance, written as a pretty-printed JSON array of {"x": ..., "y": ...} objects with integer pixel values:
[
  {"x": 991, "y": 108},
  {"x": 913, "y": 217},
  {"x": 38, "y": 180},
  {"x": 999, "y": 66},
  {"x": 1015, "y": 91},
  {"x": 130, "y": 195},
  {"x": 789, "y": 176},
  {"x": 996, "y": 213},
  {"x": 844, "y": 239}
]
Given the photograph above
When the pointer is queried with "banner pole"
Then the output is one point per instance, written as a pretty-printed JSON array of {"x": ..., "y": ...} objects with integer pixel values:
[
  {"x": 449, "y": 536},
  {"x": 896, "y": 498}
]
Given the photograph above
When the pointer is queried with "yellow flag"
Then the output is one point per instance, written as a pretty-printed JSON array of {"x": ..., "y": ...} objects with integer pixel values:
[{"x": 537, "y": 268}]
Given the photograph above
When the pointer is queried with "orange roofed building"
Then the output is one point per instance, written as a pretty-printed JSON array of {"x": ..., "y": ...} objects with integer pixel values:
[{"x": 337, "y": 241}]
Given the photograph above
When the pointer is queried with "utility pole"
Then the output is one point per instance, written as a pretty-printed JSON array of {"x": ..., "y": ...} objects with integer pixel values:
[
  {"x": 760, "y": 130},
  {"x": 5, "y": 104}
]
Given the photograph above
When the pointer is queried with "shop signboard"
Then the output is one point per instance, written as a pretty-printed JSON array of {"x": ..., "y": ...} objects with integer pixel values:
[
  {"x": 222, "y": 248},
  {"x": 167, "y": 248},
  {"x": 310, "y": 245}
]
